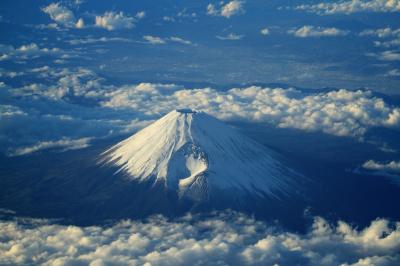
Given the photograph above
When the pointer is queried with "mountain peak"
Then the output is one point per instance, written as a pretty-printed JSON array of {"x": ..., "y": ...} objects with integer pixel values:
[
  {"x": 186, "y": 111},
  {"x": 197, "y": 155}
]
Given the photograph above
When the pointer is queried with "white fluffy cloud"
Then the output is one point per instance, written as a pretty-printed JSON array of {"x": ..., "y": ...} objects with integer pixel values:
[
  {"x": 62, "y": 15},
  {"x": 83, "y": 105},
  {"x": 221, "y": 239},
  {"x": 114, "y": 21},
  {"x": 391, "y": 166},
  {"x": 226, "y": 10},
  {"x": 352, "y": 6},
  {"x": 265, "y": 31},
  {"x": 311, "y": 31},
  {"x": 341, "y": 112}
]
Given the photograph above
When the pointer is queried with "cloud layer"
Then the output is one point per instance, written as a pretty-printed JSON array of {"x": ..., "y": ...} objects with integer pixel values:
[
  {"x": 221, "y": 239},
  {"x": 341, "y": 112},
  {"x": 77, "y": 105}
]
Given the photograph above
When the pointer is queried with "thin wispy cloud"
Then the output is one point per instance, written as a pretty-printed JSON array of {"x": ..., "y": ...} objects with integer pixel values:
[
  {"x": 312, "y": 31},
  {"x": 64, "y": 144},
  {"x": 99, "y": 40},
  {"x": 389, "y": 56},
  {"x": 391, "y": 166},
  {"x": 158, "y": 40},
  {"x": 230, "y": 37},
  {"x": 180, "y": 40},
  {"x": 351, "y": 6},
  {"x": 153, "y": 39}
]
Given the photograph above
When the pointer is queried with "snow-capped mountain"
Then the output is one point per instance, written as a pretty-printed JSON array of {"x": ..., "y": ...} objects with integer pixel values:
[{"x": 198, "y": 156}]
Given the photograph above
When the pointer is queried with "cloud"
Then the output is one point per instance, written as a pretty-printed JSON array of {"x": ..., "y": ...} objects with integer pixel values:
[
  {"x": 391, "y": 36},
  {"x": 390, "y": 169},
  {"x": 168, "y": 18},
  {"x": 393, "y": 73},
  {"x": 65, "y": 144},
  {"x": 153, "y": 39},
  {"x": 340, "y": 112},
  {"x": 232, "y": 8},
  {"x": 80, "y": 24},
  {"x": 114, "y": 21},
  {"x": 91, "y": 40},
  {"x": 230, "y": 37},
  {"x": 80, "y": 82},
  {"x": 227, "y": 238},
  {"x": 180, "y": 40},
  {"x": 26, "y": 51},
  {"x": 140, "y": 15},
  {"x": 226, "y": 10},
  {"x": 76, "y": 103},
  {"x": 352, "y": 6},
  {"x": 9, "y": 110},
  {"x": 388, "y": 44},
  {"x": 381, "y": 33},
  {"x": 311, "y": 31},
  {"x": 10, "y": 74},
  {"x": 61, "y": 110},
  {"x": 265, "y": 31},
  {"x": 157, "y": 40},
  {"x": 389, "y": 56},
  {"x": 62, "y": 15},
  {"x": 391, "y": 166}
]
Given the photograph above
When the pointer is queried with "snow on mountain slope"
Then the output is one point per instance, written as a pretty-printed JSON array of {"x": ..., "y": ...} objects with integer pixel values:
[{"x": 195, "y": 154}]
